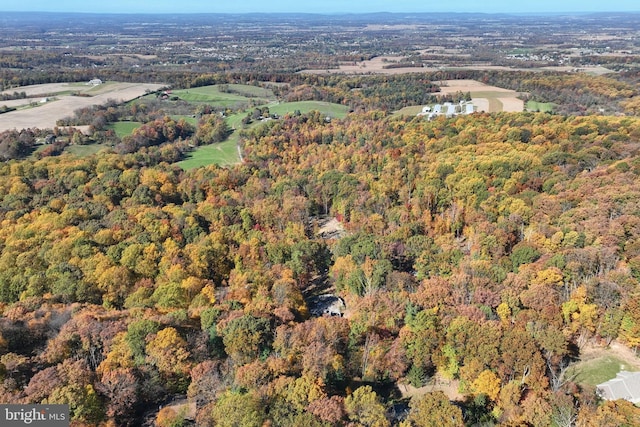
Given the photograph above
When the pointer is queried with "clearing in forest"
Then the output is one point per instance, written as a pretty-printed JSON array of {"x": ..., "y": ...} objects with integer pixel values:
[
  {"x": 599, "y": 364},
  {"x": 227, "y": 95}
]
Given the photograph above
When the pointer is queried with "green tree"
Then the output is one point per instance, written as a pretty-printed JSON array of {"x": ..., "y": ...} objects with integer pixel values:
[
  {"x": 137, "y": 333},
  {"x": 363, "y": 407},
  {"x": 233, "y": 409},
  {"x": 247, "y": 338},
  {"x": 434, "y": 409}
]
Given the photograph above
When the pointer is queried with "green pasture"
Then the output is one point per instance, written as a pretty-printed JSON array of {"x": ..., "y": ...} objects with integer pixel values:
[
  {"x": 84, "y": 150},
  {"x": 327, "y": 108},
  {"x": 251, "y": 91},
  {"x": 545, "y": 107},
  {"x": 408, "y": 111},
  {"x": 520, "y": 51},
  {"x": 221, "y": 153},
  {"x": 189, "y": 119},
  {"x": 124, "y": 128},
  {"x": 213, "y": 95},
  {"x": 599, "y": 370}
]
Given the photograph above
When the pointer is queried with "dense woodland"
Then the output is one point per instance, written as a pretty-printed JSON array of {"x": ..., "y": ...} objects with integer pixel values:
[
  {"x": 481, "y": 253},
  {"x": 487, "y": 249}
]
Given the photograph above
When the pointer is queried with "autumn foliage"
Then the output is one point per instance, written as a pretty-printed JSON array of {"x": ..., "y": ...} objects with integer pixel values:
[{"x": 483, "y": 250}]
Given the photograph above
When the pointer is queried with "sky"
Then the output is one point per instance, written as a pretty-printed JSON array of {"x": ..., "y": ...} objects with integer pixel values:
[{"x": 320, "y": 6}]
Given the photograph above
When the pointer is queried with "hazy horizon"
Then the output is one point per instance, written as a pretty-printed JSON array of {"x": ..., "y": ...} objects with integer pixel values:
[{"x": 325, "y": 7}]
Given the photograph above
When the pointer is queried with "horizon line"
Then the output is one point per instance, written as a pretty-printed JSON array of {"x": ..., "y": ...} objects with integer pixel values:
[{"x": 337, "y": 13}]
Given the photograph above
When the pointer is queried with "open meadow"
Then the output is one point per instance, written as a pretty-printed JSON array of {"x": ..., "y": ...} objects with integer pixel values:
[{"x": 225, "y": 95}]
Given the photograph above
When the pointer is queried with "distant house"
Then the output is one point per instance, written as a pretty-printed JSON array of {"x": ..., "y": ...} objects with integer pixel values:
[
  {"x": 95, "y": 82},
  {"x": 626, "y": 385},
  {"x": 326, "y": 305}
]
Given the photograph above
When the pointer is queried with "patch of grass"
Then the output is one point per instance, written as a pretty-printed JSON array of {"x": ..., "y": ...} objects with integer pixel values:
[
  {"x": 101, "y": 87},
  {"x": 545, "y": 107},
  {"x": 124, "y": 128},
  {"x": 408, "y": 111},
  {"x": 331, "y": 110},
  {"x": 251, "y": 91},
  {"x": 597, "y": 371},
  {"x": 84, "y": 150},
  {"x": 189, "y": 119},
  {"x": 213, "y": 95},
  {"x": 520, "y": 51},
  {"x": 210, "y": 94},
  {"x": 221, "y": 153}
]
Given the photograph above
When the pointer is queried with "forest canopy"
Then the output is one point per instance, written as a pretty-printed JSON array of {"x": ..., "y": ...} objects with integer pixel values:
[{"x": 487, "y": 250}]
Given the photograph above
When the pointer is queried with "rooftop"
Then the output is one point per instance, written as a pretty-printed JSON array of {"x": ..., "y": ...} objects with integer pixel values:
[{"x": 626, "y": 385}]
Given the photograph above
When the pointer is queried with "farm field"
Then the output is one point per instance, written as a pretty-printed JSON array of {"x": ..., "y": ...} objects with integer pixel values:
[
  {"x": 485, "y": 98},
  {"x": 45, "y": 115},
  {"x": 381, "y": 65},
  {"x": 409, "y": 111},
  {"x": 213, "y": 95},
  {"x": 491, "y": 99},
  {"x": 327, "y": 108},
  {"x": 84, "y": 150}
]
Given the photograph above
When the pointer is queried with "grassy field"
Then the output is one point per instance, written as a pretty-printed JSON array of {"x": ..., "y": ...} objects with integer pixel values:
[
  {"x": 545, "y": 107},
  {"x": 408, "y": 111},
  {"x": 331, "y": 110},
  {"x": 222, "y": 153},
  {"x": 213, "y": 95},
  {"x": 189, "y": 119},
  {"x": 597, "y": 371},
  {"x": 251, "y": 91},
  {"x": 124, "y": 128},
  {"x": 84, "y": 150},
  {"x": 226, "y": 152}
]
